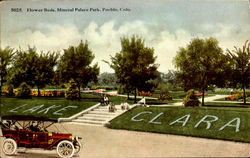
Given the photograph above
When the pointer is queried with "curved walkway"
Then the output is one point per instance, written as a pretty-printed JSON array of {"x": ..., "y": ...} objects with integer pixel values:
[{"x": 206, "y": 99}]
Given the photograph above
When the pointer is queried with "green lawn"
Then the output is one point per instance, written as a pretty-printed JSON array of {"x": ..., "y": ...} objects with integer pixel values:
[
  {"x": 59, "y": 106},
  {"x": 179, "y": 95},
  {"x": 170, "y": 114},
  {"x": 54, "y": 107},
  {"x": 115, "y": 99},
  {"x": 229, "y": 105}
]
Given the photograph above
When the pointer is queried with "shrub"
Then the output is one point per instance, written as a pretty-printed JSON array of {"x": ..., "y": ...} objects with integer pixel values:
[
  {"x": 72, "y": 92},
  {"x": 191, "y": 99},
  {"x": 121, "y": 89},
  {"x": 23, "y": 91},
  {"x": 165, "y": 96},
  {"x": 10, "y": 91}
]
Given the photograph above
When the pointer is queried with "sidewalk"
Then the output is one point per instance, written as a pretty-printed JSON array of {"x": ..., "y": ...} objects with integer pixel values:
[{"x": 206, "y": 99}]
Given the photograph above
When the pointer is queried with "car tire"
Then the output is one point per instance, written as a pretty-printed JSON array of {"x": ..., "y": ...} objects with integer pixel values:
[
  {"x": 65, "y": 149},
  {"x": 9, "y": 146},
  {"x": 78, "y": 147}
]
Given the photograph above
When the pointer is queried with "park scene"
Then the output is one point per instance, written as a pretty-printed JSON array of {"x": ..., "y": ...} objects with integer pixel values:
[{"x": 204, "y": 96}]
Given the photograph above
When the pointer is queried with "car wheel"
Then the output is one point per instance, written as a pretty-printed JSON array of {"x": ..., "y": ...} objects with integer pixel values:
[
  {"x": 65, "y": 149},
  {"x": 78, "y": 147},
  {"x": 9, "y": 146}
]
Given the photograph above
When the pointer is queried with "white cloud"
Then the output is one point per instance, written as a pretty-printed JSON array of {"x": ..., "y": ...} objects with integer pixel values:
[
  {"x": 104, "y": 40},
  {"x": 57, "y": 38}
]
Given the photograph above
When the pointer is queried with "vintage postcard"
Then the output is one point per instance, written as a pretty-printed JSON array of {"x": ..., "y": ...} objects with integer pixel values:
[{"x": 123, "y": 78}]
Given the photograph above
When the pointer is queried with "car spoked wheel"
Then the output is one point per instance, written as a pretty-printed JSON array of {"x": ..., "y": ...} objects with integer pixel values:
[
  {"x": 65, "y": 149},
  {"x": 9, "y": 146},
  {"x": 78, "y": 147}
]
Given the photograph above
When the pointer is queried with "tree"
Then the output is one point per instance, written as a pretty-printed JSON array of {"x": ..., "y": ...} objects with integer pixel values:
[
  {"x": 5, "y": 59},
  {"x": 23, "y": 68},
  {"x": 240, "y": 67},
  {"x": 135, "y": 64},
  {"x": 45, "y": 69},
  {"x": 75, "y": 64},
  {"x": 33, "y": 68},
  {"x": 201, "y": 64},
  {"x": 107, "y": 79}
]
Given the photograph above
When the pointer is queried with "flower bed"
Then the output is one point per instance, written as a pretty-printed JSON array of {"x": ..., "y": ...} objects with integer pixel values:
[
  {"x": 234, "y": 97},
  {"x": 200, "y": 94},
  {"x": 53, "y": 93},
  {"x": 142, "y": 93}
]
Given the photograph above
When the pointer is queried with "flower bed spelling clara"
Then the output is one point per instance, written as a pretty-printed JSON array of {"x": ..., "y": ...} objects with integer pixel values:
[{"x": 198, "y": 122}]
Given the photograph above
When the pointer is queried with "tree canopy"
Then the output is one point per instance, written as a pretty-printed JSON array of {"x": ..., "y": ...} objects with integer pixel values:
[
  {"x": 5, "y": 59},
  {"x": 135, "y": 64},
  {"x": 75, "y": 63},
  {"x": 240, "y": 67},
  {"x": 33, "y": 68},
  {"x": 107, "y": 79},
  {"x": 201, "y": 64}
]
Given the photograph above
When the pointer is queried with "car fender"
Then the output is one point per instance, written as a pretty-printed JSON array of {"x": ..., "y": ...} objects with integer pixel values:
[
  {"x": 10, "y": 136},
  {"x": 56, "y": 142}
]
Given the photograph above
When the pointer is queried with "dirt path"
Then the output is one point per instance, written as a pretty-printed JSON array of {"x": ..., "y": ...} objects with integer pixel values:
[{"x": 102, "y": 142}]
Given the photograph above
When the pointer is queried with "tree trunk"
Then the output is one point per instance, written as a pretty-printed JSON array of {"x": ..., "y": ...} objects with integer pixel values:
[
  {"x": 79, "y": 87},
  {"x": 203, "y": 91},
  {"x": 1, "y": 83},
  {"x": 244, "y": 94},
  {"x": 135, "y": 95},
  {"x": 0, "y": 87},
  {"x": 128, "y": 95},
  {"x": 38, "y": 91}
]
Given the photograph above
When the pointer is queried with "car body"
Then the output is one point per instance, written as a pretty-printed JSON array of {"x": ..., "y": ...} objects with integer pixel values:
[{"x": 20, "y": 131}]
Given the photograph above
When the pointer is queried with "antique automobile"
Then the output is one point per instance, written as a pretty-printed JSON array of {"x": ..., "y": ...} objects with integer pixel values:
[{"x": 21, "y": 131}]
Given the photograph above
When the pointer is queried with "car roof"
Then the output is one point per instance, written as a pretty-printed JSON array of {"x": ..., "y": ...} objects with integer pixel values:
[{"x": 27, "y": 118}]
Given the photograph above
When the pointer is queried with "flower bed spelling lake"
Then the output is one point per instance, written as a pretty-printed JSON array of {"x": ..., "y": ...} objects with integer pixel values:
[
  {"x": 54, "y": 107},
  {"x": 226, "y": 124}
]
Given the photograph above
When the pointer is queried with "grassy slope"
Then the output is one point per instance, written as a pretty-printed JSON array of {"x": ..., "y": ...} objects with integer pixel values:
[
  {"x": 87, "y": 101},
  {"x": 173, "y": 113},
  {"x": 8, "y": 104},
  {"x": 223, "y": 104}
]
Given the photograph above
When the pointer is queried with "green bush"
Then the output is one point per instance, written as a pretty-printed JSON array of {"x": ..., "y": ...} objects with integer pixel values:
[
  {"x": 23, "y": 91},
  {"x": 191, "y": 99},
  {"x": 72, "y": 91},
  {"x": 121, "y": 89},
  {"x": 165, "y": 96},
  {"x": 10, "y": 91}
]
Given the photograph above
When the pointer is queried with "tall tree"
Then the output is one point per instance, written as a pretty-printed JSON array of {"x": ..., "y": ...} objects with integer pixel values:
[
  {"x": 200, "y": 64},
  {"x": 135, "y": 64},
  {"x": 240, "y": 67},
  {"x": 33, "y": 68},
  {"x": 24, "y": 67},
  {"x": 5, "y": 59},
  {"x": 75, "y": 64},
  {"x": 45, "y": 69}
]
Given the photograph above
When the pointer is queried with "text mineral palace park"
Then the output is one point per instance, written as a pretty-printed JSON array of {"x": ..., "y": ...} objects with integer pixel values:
[{"x": 71, "y": 9}]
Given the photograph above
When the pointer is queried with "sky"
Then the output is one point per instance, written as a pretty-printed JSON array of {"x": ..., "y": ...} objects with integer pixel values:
[{"x": 165, "y": 25}]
